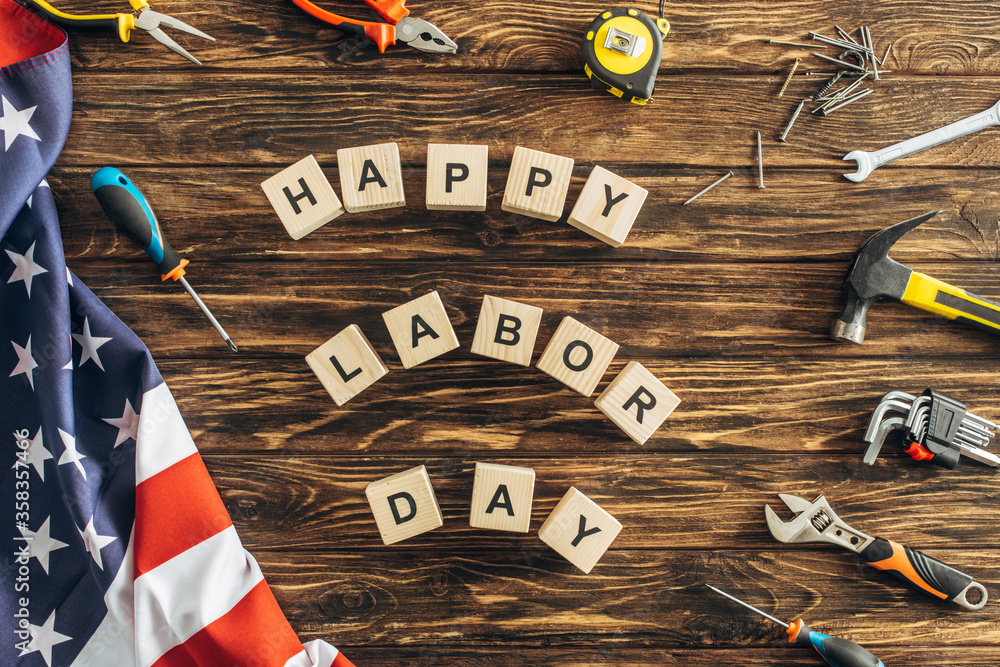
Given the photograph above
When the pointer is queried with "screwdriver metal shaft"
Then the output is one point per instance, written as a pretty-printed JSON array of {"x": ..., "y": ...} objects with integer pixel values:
[{"x": 208, "y": 314}]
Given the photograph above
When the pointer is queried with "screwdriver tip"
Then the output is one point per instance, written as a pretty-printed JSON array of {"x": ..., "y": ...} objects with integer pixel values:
[{"x": 232, "y": 345}]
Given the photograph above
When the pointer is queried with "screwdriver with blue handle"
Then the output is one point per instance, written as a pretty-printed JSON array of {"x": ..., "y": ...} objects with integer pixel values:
[
  {"x": 835, "y": 651},
  {"x": 128, "y": 209}
]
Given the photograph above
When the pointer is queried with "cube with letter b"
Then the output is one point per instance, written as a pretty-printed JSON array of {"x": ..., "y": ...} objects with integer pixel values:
[
  {"x": 420, "y": 329},
  {"x": 371, "y": 177},
  {"x": 537, "y": 184},
  {"x": 579, "y": 530},
  {"x": 404, "y": 505},
  {"x": 346, "y": 364},
  {"x": 607, "y": 207},
  {"x": 501, "y": 497},
  {"x": 302, "y": 197},
  {"x": 506, "y": 330},
  {"x": 577, "y": 356},
  {"x": 456, "y": 177},
  {"x": 637, "y": 402}
]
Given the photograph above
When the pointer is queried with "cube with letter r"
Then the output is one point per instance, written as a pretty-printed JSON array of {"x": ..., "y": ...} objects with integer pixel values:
[
  {"x": 637, "y": 402},
  {"x": 404, "y": 505}
]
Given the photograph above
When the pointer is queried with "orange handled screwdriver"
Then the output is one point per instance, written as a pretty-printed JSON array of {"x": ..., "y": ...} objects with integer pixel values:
[
  {"x": 128, "y": 209},
  {"x": 837, "y": 652}
]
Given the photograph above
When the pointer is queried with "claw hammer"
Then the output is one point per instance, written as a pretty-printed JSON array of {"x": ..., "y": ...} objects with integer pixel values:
[{"x": 873, "y": 276}]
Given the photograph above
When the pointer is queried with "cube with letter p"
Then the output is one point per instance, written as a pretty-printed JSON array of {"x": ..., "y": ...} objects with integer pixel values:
[
  {"x": 456, "y": 177},
  {"x": 637, "y": 402},
  {"x": 537, "y": 184},
  {"x": 404, "y": 505}
]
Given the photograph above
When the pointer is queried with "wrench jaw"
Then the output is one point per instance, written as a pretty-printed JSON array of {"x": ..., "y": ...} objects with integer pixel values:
[
  {"x": 814, "y": 522},
  {"x": 865, "y": 165}
]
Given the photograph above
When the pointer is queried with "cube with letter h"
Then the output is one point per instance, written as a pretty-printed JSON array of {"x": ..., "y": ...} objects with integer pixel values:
[
  {"x": 420, "y": 329},
  {"x": 537, "y": 184},
  {"x": 607, "y": 207},
  {"x": 456, "y": 177},
  {"x": 501, "y": 497},
  {"x": 371, "y": 177},
  {"x": 506, "y": 330},
  {"x": 579, "y": 530},
  {"x": 637, "y": 402},
  {"x": 404, "y": 505},
  {"x": 346, "y": 364},
  {"x": 302, "y": 197}
]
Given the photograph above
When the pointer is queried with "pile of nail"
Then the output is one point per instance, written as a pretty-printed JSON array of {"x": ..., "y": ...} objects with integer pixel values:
[{"x": 857, "y": 61}]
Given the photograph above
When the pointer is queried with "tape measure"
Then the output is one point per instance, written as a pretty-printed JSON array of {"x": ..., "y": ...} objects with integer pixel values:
[{"x": 622, "y": 51}]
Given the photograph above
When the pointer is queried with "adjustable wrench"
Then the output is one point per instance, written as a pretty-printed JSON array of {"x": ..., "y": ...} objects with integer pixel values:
[
  {"x": 867, "y": 162},
  {"x": 817, "y": 522}
]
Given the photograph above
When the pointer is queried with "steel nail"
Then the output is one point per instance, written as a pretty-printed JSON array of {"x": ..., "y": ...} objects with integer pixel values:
[{"x": 707, "y": 189}]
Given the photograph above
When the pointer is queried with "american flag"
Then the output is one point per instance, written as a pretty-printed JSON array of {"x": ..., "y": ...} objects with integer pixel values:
[{"x": 117, "y": 549}]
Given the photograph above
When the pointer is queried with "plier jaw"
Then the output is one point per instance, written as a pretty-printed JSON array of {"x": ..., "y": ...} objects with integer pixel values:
[{"x": 419, "y": 34}]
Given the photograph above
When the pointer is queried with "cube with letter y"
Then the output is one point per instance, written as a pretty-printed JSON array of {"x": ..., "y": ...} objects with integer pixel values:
[
  {"x": 371, "y": 177},
  {"x": 404, "y": 505},
  {"x": 537, "y": 184},
  {"x": 346, "y": 364},
  {"x": 579, "y": 530},
  {"x": 420, "y": 329},
  {"x": 456, "y": 177},
  {"x": 637, "y": 402},
  {"x": 506, "y": 330},
  {"x": 607, "y": 207},
  {"x": 501, "y": 497}
]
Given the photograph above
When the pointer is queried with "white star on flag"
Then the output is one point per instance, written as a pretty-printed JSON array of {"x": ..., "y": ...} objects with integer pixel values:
[
  {"x": 90, "y": 344},
  {"x": 25, "y": 364},
  {"x": 44, "y": 637},
  {"x": 127, "y": 424},
  {"x": 71, "y": 455},
  {"x": 95, "y": 542},
  {"x": 36, "y": 455},
  {"x": 31, "y": 199},
  {"x": 41, "y": 543},
  {"x": 14, "y": 123},
  {"x": 25, "y": 268}
]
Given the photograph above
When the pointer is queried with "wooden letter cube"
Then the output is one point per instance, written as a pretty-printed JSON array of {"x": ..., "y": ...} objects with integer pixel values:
[
  {"x": 302, "y": 197},
  {"x": 420, "y": 330},
  {"x": 371, "y": 177},
  {"x": 501, "y": 497},
  {"x": 637, "y": 402},
  {"x": 579, "y": 530},
  {"x": 607, "y": 207},
  {"x": 456, "y": 177},
  {"x": 404, "y": 505},
  {"x": 346, "y": 364},
  {"x": 577, "y": 356},
  {"x": 506, "y": 330},
  {"x": 537, "y": 184}
]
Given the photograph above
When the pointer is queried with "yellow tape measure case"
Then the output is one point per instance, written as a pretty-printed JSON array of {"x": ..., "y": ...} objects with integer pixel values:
[{"x": 622, "y": 50}]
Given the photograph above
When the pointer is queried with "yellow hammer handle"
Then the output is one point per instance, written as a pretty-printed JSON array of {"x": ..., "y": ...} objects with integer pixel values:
[{"x": 954, "y": 303}]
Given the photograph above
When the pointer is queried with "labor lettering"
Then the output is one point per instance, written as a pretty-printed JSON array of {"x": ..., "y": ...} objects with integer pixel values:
[
  {"x": 294, "y": 199},
  {"x": 501, "y": 499},
  {"x": 420, "y": 329},
  {"x": 370, "y": 174},
  {"x": 508, "y": 324},
  {"x": 451, "y": 177},
  {"x": 586, "y": 360},
  {"x": 344, "y": 375},
  {"x": 538, "y": 177},
  {"x": 611, "y": 200},
  {"x": 582, "y": 532},
  {"x": 411, "y": 507},
  {"x": 640, "y": 405}
]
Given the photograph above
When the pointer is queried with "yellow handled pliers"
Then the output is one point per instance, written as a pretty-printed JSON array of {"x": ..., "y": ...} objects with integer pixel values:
[{"x": 123, "y": 24}]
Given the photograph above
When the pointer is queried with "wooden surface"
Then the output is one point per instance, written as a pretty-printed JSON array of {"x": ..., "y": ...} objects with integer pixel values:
[{"x": 728, "y": 301}]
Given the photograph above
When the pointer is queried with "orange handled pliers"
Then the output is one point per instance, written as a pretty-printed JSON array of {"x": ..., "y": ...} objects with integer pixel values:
[{"x": 402, "y": 27}]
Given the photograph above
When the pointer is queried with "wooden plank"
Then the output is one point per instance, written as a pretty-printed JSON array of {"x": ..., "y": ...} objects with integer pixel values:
[
  {"x": 633, "y": 600},
  {"x": 300, "y": 503},
  {"x": 716, "y": 310},
  {"x": 738, "y": 406},
  {"x": 274, "y": 119},
  {"x": 944, "y": 37}
]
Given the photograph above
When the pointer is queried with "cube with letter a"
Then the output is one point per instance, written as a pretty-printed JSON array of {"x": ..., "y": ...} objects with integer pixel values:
[
  {"x": 537, "y": 184},
  {"x": 302, "y": 197},
  {"x": 420, "y": 329},
  {"x": 404, "y": 505},
  {"x": 637, "y": 402},
  {"x": 371, "y": 177},
  {"x": 506, "y": 330},
  {"x": 501, "y": 497},
  {"x": 346, "y": 364},
  {"x": 607, "y": 207},
  {"x": 456, "y": 177},
  {"x": 579, "y": 530},
  {"x": 577, "y": 356}
]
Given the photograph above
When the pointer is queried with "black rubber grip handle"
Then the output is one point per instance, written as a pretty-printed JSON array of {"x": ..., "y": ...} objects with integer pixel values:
[{"x": 928, "y": 574}]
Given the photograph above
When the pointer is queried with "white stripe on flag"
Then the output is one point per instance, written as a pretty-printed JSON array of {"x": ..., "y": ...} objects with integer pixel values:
[
  {"x": 317, "y": 653},
  {"x": 163, "y": 437},
  {"x": 189, "y": 591}
]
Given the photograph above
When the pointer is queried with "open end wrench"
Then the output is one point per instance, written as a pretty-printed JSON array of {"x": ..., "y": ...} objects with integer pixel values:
[{"x": 868, "y": 162}]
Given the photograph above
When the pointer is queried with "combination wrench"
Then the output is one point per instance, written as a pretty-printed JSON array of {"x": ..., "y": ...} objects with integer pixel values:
[{"x": 867, "y": 162}]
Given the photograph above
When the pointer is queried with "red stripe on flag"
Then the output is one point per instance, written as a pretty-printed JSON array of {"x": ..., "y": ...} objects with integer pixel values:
[
  {"x": 341, "y": 661},
  {"x": 175, "y": 510},
  {"x": 24, "y": 35},
  {"x": 254, "y": 632}
]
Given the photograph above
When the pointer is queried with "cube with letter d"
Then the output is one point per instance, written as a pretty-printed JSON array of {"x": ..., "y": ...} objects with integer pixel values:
[
  {"x": 456, "y": 177},
  {"x": 501, "y": 497},
  {"x": 404, "y": 505},
  {"x": 537, "y": 184},
  {"x": 506, "y": 330}
]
